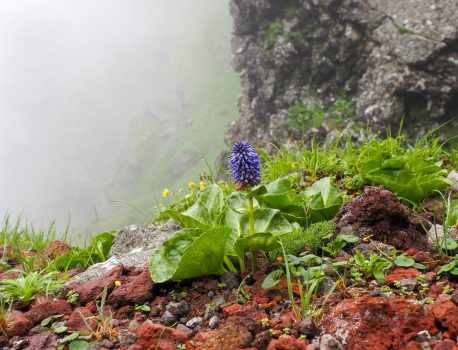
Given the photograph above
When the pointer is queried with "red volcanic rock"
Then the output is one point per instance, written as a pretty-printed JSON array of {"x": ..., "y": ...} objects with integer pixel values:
[
  {"x": 76, "y": 323},
  {"x": 446, "y": 344},
  {"x": 377, "y": 323},
  {"x": 19, "y": 324},
  {"x": 379, "y": 213},
  {"x": 44, "y": 341},
  {"x": 48, "y": 308},
  {"x": 133, "y": 290},
  {"x": 55, "y": 249},
  {"x": 288, "y": 343},
  {"x": 156, "y": 336},
  {"x": 237, "y": 332},
  {"x": 446, "y": 313},
  {"x": 91, "y": 290},
  {"x": 400, "y": 273}
]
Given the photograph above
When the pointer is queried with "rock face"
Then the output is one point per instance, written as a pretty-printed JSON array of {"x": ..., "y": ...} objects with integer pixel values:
[
  {"x": 379, "y": 214},
  {"x": 391, "y": 58}
]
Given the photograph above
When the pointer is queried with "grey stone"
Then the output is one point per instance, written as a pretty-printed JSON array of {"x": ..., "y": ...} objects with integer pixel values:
[
  {"x": 179, "y": 309},
  {"x": 131, "y": 247},
  {"x": 328, "y": 342},
  {"x": 186, "y": 330},
  {"x": 231, "y": 280},
  {"x": 409, "y": 283},
  {"x": 168, "y": 319},
  {"x": 209, "y": 312},
  {"x": 324, "y": 287},
  {"x": 307, "y": 327},
  {"x": 213, "y": 322},
  {"x": 126, "y": 337},
  {"x": 436, "y": 234},
  {"x": 373, "y": 248},
  {"x": 194, "y": 323},
  {"x": 218, "y": 301}
]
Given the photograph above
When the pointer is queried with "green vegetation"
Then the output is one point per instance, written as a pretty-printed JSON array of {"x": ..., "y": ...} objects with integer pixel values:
[
  {"x": 273, "y": 32},
  {"x": 306, "y": 117}
]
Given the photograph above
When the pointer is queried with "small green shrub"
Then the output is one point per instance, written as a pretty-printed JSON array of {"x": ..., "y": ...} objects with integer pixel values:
[{"x": 274, "y": 31}]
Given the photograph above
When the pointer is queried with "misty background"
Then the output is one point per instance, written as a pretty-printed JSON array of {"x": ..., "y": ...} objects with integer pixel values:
[{"x": 103, "y": 103}]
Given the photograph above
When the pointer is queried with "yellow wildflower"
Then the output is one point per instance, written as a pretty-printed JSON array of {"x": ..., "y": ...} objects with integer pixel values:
[
  {"x": 201, "y": 185},
  {"x": 279, "y": 258},
  {"x": 117, "y": 283},
  {"x": 166, "y": 192},
  {"x": 367, "y": 238},
  {"x": 191, "y": 185}
]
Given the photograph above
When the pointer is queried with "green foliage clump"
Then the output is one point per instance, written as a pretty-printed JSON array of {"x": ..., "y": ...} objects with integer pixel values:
[
  {"x": 274, "y": 31},
  {"x": 311, "y": 236}
]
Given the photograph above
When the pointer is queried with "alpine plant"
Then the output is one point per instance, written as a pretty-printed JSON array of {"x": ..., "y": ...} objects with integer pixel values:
[{"x": 245, "y": 165}]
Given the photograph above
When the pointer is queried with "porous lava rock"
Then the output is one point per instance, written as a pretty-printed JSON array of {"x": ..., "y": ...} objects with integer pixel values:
[
  {"x": 19, "y": 324},
  {"x": 156, "y": 336},
  {"x": 378, "y": 213},
  {"x": 91, "y": 290},
  {"x": 45, "y": 341},
  {"x": 48, "y": 308},
  {"x": 446, "y": 313},
  {"x": 134, "y": 289},
  {"x": 377, "y": 323},
  {"x": 237, "y": 332}
]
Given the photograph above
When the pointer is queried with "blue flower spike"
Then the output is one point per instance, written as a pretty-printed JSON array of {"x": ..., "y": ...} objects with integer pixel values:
[{"x": 245, "y": 165}]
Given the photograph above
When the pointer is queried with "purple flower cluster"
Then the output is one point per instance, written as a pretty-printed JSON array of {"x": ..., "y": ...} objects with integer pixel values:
[{"x": 245, "y": 164}]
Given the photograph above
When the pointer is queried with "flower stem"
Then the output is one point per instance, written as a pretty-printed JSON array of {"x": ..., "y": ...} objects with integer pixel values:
[{"x": 254, "y": 265}]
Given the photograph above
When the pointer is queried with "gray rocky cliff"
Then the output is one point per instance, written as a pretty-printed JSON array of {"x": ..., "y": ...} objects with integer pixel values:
[{"x": 389, "y": 58}]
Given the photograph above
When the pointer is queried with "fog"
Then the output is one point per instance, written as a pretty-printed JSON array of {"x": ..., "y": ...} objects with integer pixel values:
[{"x": 101, "y": 103}]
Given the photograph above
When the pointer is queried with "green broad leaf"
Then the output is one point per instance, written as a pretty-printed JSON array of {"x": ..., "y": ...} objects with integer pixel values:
[
  {"x": 60, "y": 329},
  {"x": 454, "y": 271},
  {"x": 257, "y": 242},
  {"x": 70, "y": 337},
  {"x": 256, "y": 191},
  {"x": 190, "y": 253},
  {"x": 404, "y": 261},
  {"x": 266, "y": 220},
  {"x": 349, "y": 238},
  {"x": 238, "y": 202},
  {"x": 78, "y": 345},
  {"x": 447, "y": 267},
  {"x": 412, "y": 179},
  {"x": 379, "y": 277},
  {"x": 272, "y": 279},
  {"x": 448, "y": 244},
  {"x": 419, "y": 266},
  {"x": 50, "y": 319},
  {"x": 208, "y": 207},
  {"x": 184, "y": 220},
  {"x": 323, "y": 200},
  {"x": 452, "y": 216},
  {"x": 95, "y": 252},
  {"x": 279, "y": 194}
]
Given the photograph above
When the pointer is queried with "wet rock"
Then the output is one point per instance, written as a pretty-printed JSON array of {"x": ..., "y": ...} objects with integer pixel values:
[
  {"x": 377, "y": 323},
  {"x": 379, "y": 213},
  {"x": 231, "y": 280},
  {"x": 150, "y": 334},
  {"x": 91, "y": 290},
  {"x": 373, "y": 248},
  {"x": 288, "y": 343},
  {"x": 185, "y": 330},
  {"x": 135, "y": 289},
  {"x": 409, "y": 283},
  {"x": 307, "y": 327},
  {"x": 328, "y": 342},
  {"x": 20, "y": 324},
  {"x": 446, "y": 313},
  {"x": 168, "y": 319},
  {"x": 45, "y": 341},
  {"x": 213, "y": 322},
  {"x": 178, "y": 310},
  {"x": 48, "y": 308},
  {"x": 194, "y": 323}
]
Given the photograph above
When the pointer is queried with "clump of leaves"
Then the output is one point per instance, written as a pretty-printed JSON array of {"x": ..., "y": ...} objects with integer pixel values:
[
  {"x": 25, "y": 286},
  {"x": 274, "y": 31}
]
